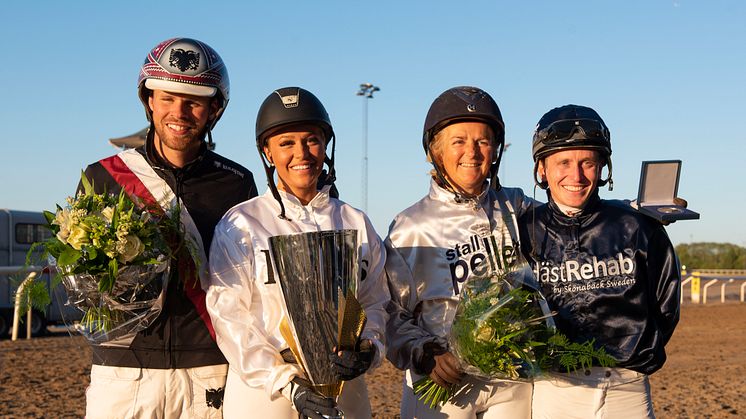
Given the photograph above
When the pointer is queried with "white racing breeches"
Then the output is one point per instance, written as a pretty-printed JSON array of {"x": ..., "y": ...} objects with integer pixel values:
[
  {"x": 242, "y": 401},
  {"x": 122, "y": 392},
  {"x": 600, "y": 393},
  {"x": 478, "y": 399}
]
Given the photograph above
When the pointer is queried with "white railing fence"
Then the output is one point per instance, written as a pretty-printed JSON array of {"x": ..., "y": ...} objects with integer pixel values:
[
  {"x": 17, "y": 308},
  {"x": 724, "y": 277}
]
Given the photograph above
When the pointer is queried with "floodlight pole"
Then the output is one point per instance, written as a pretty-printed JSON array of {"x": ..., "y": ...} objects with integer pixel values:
[{"x": 366, "y": 91}]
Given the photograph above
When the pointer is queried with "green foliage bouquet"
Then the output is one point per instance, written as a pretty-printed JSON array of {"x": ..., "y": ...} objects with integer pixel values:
[
  {"x": 503, "y": 330},
  {"x": 112, "y": 254}
]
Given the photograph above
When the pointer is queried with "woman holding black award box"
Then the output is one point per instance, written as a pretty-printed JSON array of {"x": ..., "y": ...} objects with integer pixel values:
[{"x": 245, "y": 302}]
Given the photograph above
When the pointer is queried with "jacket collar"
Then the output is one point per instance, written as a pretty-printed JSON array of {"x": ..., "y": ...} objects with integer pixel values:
[
  {"x": 292, "y": 203},
  {"x": 158, "y": 162},
  {"x": 587, "y": 211},
  {"x": 439, "y": 193}
]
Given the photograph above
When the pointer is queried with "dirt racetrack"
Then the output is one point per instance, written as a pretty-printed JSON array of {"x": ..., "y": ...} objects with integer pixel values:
[{"x": 705, "y": 376}]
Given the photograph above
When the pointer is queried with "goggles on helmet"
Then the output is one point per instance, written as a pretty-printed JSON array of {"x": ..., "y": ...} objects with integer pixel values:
[{"x": 563, "y": 130}]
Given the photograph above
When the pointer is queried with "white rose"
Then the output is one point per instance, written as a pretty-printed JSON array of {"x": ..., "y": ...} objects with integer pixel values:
[
  {"x": 485, "y": 333},
  {"x": 108, "y": 213},
  {"x": 61, "y": 216},
  {"x": 62, "y": 219},
  {"x": 132, "y": 247},
  {"x": 78, "y": 237},
  {"x": 62, "y": 235}
]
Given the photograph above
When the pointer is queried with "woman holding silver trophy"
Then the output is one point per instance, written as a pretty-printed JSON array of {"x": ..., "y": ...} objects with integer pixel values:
[
  {"x": 248, "y": 306},
  {"x": 440, "y": 242}
]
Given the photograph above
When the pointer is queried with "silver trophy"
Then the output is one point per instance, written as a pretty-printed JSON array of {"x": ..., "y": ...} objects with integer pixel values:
[{"x": 318, "y": 274}]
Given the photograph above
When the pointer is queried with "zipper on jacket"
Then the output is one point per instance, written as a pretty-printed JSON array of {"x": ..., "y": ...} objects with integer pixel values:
[{"x": 573, "y": 247}]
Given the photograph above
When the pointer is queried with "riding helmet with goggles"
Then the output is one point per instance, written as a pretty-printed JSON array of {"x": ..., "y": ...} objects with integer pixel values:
[
  {"x": 187, "y": 66},
  {"x": 289, "y": 106},
  {"x": 571, "y": 127},
  {"x": 464, "y": 104}
]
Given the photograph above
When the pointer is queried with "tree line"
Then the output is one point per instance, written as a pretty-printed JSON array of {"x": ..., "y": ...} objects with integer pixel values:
[{"x": 712, "y": 255}]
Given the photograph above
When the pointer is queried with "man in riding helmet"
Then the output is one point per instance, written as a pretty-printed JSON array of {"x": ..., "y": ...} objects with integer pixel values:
[
  {"x": 173, "y": 368},
  {"x": 609, "y": 272}
]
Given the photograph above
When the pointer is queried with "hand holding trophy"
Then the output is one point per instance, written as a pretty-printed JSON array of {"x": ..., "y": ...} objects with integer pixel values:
[
  {"x": 310, "y": 404},
  {"x": 349, "y": 365},
  {"x": 318, "y": 274}
]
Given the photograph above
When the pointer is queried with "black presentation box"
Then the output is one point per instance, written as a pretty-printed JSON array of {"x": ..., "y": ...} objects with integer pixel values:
[{"x": 659, "y": 184}]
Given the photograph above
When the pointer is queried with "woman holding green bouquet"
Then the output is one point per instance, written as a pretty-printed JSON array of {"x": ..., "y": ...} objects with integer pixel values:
[
  {"x": 293, "y": 131},
  {"x": 464, "y": 226}
]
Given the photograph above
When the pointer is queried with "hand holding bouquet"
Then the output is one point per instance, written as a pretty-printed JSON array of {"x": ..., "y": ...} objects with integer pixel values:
[{"x": 503, "y": 330}]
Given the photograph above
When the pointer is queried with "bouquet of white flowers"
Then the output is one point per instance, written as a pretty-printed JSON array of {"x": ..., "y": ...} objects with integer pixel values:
[
  {"x": 113, "y": 254},
  {"x": 503, "y": 330}
]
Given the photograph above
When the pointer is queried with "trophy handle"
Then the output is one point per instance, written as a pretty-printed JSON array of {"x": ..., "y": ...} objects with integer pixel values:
[
  {"x": 287, "y": 334},
  {"x": 352, "y": 323}
]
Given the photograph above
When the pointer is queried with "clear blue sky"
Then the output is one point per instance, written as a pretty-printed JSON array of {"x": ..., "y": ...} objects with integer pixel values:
[{"x": 669, "y": 78}]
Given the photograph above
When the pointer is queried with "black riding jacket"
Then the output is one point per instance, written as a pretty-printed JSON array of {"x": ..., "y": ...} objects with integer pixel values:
[
  {"x": 178, "y": 338},
  {"x": 611, "y": 274}
]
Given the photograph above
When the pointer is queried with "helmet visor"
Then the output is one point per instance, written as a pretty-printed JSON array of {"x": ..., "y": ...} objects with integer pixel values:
[
  {"x": 184, "y": 88},
  {"x": 561, "y": 131}
]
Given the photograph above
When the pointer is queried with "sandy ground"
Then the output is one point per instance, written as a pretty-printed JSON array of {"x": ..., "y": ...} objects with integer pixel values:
[{"x": 705, "y": 376}]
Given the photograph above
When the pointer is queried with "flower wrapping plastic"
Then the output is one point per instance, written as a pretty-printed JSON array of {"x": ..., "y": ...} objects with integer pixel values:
[
  {"x": 500, "y": 325},
  {"x": 113, "y": 318},
  {"x": 112, "y": 254}
]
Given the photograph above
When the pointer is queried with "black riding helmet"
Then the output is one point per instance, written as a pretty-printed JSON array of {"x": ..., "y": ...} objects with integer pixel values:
[
  {"x": 290, "y": 105},
  {"x": 571, "y": 127},
  {"x": 463, "y": 104},
  {"x": 286, "y": 106}
]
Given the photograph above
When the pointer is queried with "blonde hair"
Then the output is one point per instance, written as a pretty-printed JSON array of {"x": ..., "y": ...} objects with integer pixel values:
[{"x": 435, "y": 151}]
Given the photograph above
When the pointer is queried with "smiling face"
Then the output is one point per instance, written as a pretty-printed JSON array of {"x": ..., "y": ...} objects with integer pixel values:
[
  {"x": 180, "y": 122},
  {"x": 298, "y": 153},
  {"x": 464, "y": 151},
  {"x": 572, "y": 175}
]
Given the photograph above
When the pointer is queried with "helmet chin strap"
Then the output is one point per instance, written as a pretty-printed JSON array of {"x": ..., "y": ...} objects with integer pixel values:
[
  {"x": 269, "y": 169},
  {"x": 210, "y": 143},
  {"x": 211, "y": 122},
  {"x": 495, "y": 167},
  {"x": 534, "y": 254},
  {"x": 331, "y": 176},
  {"x": 460, "y": 197},
  {"x": 543, "y": 184},
  {"x": 608, "y": 178},
  {"x": 442, "y": 181}
]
